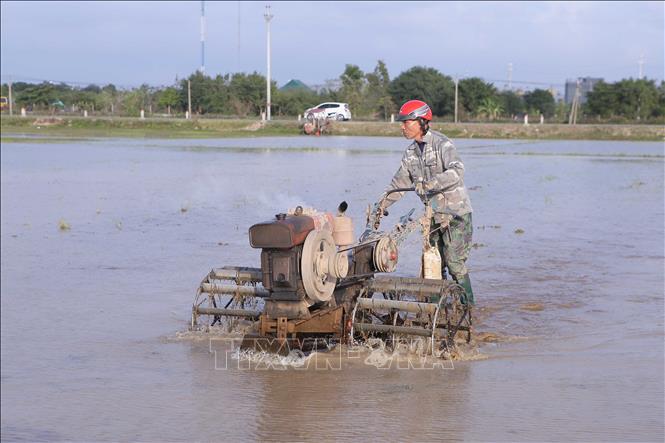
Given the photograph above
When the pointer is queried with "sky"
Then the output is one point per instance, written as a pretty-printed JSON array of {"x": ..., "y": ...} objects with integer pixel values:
[{"x": 132, "y": 43}]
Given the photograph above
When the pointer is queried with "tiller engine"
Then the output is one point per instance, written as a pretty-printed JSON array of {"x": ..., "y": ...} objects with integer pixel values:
[{"x": 317, "y": 285}]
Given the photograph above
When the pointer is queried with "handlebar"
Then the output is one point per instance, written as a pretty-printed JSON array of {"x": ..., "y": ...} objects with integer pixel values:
[
  {"x": 381, "y": 212},
  {"x": 399, "y": 190},
  {"x": 429, "y": 193}
]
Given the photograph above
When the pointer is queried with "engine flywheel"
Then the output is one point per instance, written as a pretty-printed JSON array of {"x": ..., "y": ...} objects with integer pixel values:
[{"x": 318, "y": 254}]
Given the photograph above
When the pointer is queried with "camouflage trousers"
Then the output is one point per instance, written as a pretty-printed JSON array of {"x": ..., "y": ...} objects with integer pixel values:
[{"x": 453, "y": 243}]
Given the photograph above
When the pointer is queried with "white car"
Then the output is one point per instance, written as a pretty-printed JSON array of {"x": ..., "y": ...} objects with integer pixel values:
[{"x": 337, "y": 111}]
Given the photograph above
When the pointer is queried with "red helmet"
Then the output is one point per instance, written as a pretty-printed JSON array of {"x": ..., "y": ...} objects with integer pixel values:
[{"x": 413, "y": 109}]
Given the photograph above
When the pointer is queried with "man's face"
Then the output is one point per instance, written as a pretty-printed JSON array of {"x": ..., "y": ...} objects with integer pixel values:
[{"x": 411, "y": 129}]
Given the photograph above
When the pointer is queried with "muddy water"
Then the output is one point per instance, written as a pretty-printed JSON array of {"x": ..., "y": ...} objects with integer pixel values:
[{"x": 567, "y": 268}]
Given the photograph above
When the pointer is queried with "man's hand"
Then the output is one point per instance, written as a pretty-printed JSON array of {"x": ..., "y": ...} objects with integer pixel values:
[
  {"x": 373, "y": 217},
  {"x": 425, "y": 186},
  {"x": 420, "y": 188},
  {"x": 377, "y": 212},
  {"x": 373, "y": 221}
]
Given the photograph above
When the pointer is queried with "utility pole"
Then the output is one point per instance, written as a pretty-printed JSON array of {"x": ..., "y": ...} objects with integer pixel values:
[
  {"x": 578, "y": 96},
  {"x": 238, "y": 61},
  {"x": 189, "y": 98},
  {"x": 11, "y": 106},
  {"x": 639, "y": 96},
  {"x": 572, "y": 117},
  {"x": 203, "y": 36},
  {"x": 268, "y": 16},
  {"x": 456, "y": 84}
]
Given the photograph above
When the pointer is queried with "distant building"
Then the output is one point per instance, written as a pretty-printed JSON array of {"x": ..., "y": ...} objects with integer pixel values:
[
  {"x": 586, "y": 86},
  {"x": 329, "y": 85},
  {"x": 556, "y": 93},
  {"x": 295, "y": 85}
]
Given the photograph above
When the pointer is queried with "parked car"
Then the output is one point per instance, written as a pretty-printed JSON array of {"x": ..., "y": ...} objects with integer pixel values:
[{"x": 337, "y": 111}]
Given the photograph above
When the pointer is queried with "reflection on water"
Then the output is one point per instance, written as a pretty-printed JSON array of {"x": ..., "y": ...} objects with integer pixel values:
[{"x": 568, "y": 267}]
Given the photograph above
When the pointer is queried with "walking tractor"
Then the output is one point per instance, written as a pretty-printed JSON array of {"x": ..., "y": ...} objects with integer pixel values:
[{"x": 317, "y": 285}]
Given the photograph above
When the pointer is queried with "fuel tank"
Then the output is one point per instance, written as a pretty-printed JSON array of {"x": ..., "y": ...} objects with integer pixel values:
[{"x": 283, "y": 232}]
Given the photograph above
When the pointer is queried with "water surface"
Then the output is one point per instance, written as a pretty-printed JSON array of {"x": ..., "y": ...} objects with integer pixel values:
[{"x": 567, "y": 268}]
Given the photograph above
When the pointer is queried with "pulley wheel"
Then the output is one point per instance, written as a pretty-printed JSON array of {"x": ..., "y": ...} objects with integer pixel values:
[
  {"x": 385, "y": 255},
  {"x": 317, "y": 252}
]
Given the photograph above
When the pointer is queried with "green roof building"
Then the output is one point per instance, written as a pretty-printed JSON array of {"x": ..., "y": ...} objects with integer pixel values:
[{"x": 294, "y": 85}]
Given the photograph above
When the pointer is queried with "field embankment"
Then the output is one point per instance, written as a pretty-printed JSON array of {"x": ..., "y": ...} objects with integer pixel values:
[{"x": 12, "y": 128}]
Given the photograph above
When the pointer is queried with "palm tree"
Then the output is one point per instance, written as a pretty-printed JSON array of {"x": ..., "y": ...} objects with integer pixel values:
[{"x": 489, "y": 108}]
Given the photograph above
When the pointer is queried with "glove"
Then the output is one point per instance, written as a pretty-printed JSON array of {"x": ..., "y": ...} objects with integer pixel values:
[
  {"x": 424, "y": 186},
  {"x": 420, "y": 188}
]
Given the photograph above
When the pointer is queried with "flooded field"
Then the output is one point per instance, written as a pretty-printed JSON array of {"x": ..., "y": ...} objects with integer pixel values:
[{"x": 104, "y": 243}]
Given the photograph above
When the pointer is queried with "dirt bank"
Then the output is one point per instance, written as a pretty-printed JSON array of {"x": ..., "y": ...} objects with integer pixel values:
[{"x": 209, "y": 128}]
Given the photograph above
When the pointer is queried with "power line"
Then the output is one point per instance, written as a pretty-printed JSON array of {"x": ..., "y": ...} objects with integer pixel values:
[
  {"x": 14, "y": 78},
  {"x": 522, "y": 82}
]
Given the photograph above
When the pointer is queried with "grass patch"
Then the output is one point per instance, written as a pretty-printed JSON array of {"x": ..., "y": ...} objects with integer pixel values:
[{"x": 80, "y": 127}]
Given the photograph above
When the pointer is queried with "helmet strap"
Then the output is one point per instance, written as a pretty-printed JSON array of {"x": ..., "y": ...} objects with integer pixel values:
[{"x": 424, "y": 125}]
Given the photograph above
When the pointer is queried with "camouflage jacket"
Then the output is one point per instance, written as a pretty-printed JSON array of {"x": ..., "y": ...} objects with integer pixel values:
[{"x": 441, "y": 168}]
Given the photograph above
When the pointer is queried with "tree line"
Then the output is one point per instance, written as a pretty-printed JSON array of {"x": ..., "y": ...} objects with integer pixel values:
[{"x": 371, "y": 95}]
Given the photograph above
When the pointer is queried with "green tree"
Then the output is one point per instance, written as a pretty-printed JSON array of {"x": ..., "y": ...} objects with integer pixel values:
[
  {"x": 169, "y": 98},
  {"x": 248, "y": 93},
  {"x": 540, "y": 101},
  {"x": 378, "y": 96},
  {"x": 294, "y": 101},
  {"x": 93, "y": 89},
  {"x": 511, "y": 103},
  {"x": 628, "y": 98},
  {"x": 352, "y": 91},
  {"x": 83, "y": 99},
  {"x": 108, "y": 98},
  {"x": 561, "y": 111},
  {"x": 136, "y": 100},
  {"x": 474, "y": 91},
  {"x": 110, "y": 88},
  {"x": 602, "y": 101},
  {"x": 637, "y": 99},
  {"x": 489, "y": 108},
  {"x": 201, "y": 85},
  {"x": 131, "y": 102},
  {"x": 219, "y": 95},
  {"x": 40, "y": 95},
  {"x": 18, "y": 87},
  {"x": 426, "y": 84},
  {"x": 660, "y": 108}
]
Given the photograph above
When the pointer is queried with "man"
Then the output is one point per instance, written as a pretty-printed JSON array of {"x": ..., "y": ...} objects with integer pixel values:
[{"x": 431, "y": 166}]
